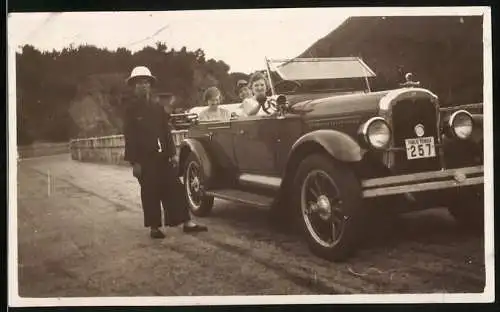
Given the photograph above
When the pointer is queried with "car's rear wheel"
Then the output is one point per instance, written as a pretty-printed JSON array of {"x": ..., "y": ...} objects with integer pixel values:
[
  {"x": 467, "y": 208},
  {"x": 199, "y": 204},
  {"x": 329, "y": 201}
]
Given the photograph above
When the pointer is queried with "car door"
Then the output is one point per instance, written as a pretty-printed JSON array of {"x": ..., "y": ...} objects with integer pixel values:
[
  {"x": 255, "y": 144},
  {"x": 286, "y": 132},
  {"x": 219, "y": 140}
]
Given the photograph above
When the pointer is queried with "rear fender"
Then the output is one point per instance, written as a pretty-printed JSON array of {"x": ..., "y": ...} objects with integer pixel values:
[{"x": 194, "y": 146}]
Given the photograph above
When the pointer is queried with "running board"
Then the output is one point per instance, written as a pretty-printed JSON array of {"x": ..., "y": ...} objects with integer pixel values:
[
  {"x": 242, "y": 197},
  {"x": 260, "y": 181}
]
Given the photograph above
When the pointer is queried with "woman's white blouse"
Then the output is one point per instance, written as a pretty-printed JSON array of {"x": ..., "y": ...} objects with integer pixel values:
[{"x": 220, "y": 114}]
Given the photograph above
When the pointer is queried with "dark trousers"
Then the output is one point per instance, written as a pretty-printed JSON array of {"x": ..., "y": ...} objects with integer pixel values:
[{"x": 161, "y": 186}]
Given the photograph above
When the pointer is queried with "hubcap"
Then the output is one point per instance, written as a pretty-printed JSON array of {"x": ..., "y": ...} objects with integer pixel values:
[
  {"x": 322, "y": 208},
  {"x": 193, "y": 185}
]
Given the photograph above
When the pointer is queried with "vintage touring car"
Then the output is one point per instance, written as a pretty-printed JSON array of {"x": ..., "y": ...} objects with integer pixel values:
[{"x": 333, "y": 152}]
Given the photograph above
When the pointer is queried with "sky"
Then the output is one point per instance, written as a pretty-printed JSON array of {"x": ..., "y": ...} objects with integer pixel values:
[{"x": 240, "y": 38}]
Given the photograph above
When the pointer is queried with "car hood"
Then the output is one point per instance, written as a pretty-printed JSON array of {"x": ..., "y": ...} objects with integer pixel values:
[{"x": 327, "y": 104}]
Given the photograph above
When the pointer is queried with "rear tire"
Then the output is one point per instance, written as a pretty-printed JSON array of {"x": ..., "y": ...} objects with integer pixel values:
[
  {"x": 328, "y": 198},
  {"x": 199, "y": 204}
]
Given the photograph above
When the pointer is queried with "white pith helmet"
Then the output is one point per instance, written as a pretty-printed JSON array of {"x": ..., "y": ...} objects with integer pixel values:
[{"x": 141, "y": 71}]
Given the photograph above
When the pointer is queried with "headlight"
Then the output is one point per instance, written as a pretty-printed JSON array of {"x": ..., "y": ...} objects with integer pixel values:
[
  {"x": 460, "y": 124},
  {"x": 376, "y": 133}
]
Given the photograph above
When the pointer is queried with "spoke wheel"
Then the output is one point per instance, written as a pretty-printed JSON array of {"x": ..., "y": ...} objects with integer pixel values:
[
  {"x": 199, "y": 203},
  {"x": 328, "y": 197},
  {"x": 321, "y": 208}
]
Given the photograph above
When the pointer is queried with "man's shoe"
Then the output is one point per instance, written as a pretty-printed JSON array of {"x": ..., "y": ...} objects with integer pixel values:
[
  {"x": 194, "y": 228},
  {"x": 156, "y": 233}
]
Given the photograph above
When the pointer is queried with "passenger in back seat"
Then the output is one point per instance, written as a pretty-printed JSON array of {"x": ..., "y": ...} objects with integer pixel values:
[
  {"x": 212, "y": 97},
  {"x": 242, "y": 90}
]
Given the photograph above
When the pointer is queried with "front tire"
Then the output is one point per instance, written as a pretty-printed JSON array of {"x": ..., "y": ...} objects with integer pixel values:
[
  {"x": 330, "y": 206},
  {"x": 199, "y": 204},
  {"x": 467, "y": 208}
]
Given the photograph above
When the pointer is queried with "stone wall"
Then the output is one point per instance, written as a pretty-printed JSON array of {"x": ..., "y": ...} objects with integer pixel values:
[{"x": 107, "y": 149}]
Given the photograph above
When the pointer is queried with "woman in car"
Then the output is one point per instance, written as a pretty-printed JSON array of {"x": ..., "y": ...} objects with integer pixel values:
[
  {"x": 212, "y": 98},
  {"x": 258, "y": 85}
]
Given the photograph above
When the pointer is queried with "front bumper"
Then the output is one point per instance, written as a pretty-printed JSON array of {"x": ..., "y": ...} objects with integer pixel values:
[{"x": 424, "y": 181}]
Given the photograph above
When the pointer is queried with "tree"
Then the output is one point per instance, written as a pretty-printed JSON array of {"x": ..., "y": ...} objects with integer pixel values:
[{"x": 53, "y": 85}]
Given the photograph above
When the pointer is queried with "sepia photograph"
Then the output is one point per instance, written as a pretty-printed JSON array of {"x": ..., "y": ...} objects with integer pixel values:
[{"x": 250, "y": 156}]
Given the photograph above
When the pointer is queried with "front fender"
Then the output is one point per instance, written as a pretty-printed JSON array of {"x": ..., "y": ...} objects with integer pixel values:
[
  {"x": 460, "y": 153},
  {"x": 339, "y": 145},
  {"x": 477, "y": 132},
  {"x": 194, "y": 146}
]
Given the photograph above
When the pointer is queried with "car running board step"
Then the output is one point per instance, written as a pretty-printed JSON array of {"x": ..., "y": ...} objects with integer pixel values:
[{"x": 242, "y": 197}]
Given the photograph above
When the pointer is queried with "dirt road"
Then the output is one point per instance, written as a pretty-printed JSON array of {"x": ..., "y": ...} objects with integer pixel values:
[{"x": 86, "y": 238}]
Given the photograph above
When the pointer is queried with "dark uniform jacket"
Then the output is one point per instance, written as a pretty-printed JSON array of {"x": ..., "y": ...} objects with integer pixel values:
[{"x": 146, "y": 124}]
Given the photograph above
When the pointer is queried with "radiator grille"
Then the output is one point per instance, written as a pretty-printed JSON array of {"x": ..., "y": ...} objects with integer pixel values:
[{"x": 406, "y": 114}]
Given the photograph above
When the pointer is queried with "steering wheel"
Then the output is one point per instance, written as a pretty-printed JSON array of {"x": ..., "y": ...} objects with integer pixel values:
[
  {"x": 268, "y": 104},
  {"x": 287, "y": 83}
]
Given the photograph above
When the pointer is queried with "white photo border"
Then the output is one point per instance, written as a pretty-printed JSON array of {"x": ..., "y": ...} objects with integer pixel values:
[{"x": 487, "y": 296}]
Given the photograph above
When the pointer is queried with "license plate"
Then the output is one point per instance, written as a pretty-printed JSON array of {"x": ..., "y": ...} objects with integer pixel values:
[{"x": 420, "y": 148}]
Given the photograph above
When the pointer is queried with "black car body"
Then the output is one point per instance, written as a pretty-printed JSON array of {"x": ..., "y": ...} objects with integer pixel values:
[{"x": 325, "y": 155}]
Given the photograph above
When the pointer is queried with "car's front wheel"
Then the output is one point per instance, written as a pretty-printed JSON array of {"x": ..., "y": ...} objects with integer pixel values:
[
  {"x": 467, "y": 208},
  {"x": 329, "y": 201},
  {"x": 199, "y": 203}
]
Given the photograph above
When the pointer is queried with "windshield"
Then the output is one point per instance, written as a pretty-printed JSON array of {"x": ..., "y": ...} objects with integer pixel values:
[{"x": 321, "y": 68}]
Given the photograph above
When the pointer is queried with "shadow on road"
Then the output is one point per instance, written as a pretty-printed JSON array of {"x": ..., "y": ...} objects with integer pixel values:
[{"x": 433, "y": 226}]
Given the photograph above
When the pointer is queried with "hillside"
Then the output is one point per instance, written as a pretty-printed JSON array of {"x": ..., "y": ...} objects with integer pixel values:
[
  {"x": 444, "y": 53},
  {"x": 96, "y": 107}
]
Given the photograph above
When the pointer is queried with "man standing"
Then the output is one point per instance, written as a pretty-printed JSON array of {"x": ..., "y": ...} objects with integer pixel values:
[{"x": 150, "y": 149}]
